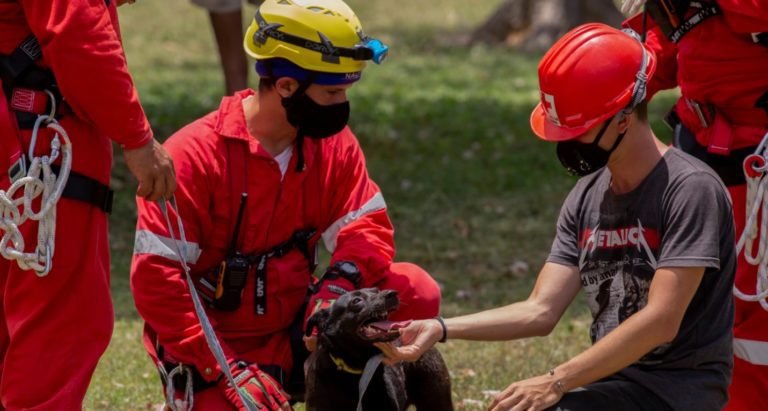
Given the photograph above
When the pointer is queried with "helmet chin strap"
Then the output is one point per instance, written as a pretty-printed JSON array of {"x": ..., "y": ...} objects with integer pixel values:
[
  {"x": 602, "y": 132},
  {"x": 639, "y": 91},
  {"x": 641, "y": 85},
  {"x": 617, "y": 142}
]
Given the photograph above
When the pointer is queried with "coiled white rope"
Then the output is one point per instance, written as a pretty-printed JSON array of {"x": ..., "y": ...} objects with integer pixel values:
[
  {"x": 755, "y": 167},
  {"x": 16, "y": 202}
]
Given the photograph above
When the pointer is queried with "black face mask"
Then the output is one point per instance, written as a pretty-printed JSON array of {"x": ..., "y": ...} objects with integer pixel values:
[
  {"x": 314, "y": 120},
  {"x": 581, "y": 159}
]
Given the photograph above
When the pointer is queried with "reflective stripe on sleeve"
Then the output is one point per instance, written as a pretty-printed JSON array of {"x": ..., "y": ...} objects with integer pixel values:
[
  {"x": 376, "y": 203},
  {"x": 148, "y": 242},
  {"x": 751, "y": 351}
]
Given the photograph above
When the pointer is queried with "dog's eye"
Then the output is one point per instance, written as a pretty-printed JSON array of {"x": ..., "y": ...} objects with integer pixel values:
[{"x": 356, "y": 301}]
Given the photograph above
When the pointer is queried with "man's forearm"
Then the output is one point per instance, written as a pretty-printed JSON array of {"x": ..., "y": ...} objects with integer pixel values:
[
  {"x": 518, "y": 320},
  {"x": 555, "y": 288}
]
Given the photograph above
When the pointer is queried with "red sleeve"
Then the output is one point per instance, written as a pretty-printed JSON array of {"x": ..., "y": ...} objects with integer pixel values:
[
  {"x": 81, "y": 45},
  {"x": 158, "y": 283},
  {"x": 745, "y": 16},
  {"x": 665, "y": 76},
  {"x": 360, "y": 231}
]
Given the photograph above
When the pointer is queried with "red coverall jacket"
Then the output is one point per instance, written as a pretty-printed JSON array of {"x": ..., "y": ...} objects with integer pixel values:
[
  {"x": 333, "y": 195},
  {"x": 80, "y": 43},
  {"x": 717, "y": 63},
  {"x": 65, "y": 319}
]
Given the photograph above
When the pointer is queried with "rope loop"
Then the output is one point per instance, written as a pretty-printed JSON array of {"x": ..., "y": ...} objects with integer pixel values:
[
  {"x": 754, "y": 239},
  {"x": 40, "y": 185}
]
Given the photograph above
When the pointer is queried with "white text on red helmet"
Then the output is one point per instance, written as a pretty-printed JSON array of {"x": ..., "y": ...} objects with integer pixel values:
[{"x": 549, "y": 104}]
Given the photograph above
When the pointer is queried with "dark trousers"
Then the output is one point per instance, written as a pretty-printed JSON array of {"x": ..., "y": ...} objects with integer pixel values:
[{"x": 611, "y": 395}]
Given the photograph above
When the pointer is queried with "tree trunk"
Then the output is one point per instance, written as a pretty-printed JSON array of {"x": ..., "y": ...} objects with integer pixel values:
[{"x": 534, "y": 25}]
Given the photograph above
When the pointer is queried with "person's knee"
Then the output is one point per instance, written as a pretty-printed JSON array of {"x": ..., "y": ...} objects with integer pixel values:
[{"x": 419, "y": 293}]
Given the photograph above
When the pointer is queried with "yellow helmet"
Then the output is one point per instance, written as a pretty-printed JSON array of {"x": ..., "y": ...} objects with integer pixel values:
[{"x": 322, "y": 36}]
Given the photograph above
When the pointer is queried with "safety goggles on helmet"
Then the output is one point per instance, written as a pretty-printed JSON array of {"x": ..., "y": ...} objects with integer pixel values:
[{"x": 367, "y": 49}]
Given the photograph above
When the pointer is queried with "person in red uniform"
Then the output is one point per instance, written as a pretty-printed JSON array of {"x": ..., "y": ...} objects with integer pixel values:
[
  {"x": 717, "y": 53},
  {"x": 53, "y": 329},
  {"x": 261, "y": 180}
]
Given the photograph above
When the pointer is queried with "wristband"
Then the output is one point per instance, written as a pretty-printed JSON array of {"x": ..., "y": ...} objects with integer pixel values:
[
  {"x": 558, "y": 384},
  {"x": 445, "y": 329}
]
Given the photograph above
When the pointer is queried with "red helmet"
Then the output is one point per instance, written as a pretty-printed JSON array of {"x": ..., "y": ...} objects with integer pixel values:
[{"x": 589, "y": 75}]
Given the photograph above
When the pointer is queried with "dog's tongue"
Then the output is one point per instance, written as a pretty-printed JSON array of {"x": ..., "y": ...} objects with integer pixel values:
[{"x": 389, "y": 325}]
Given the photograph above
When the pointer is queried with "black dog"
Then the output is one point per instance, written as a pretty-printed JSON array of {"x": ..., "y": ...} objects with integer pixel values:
[{"x": 346, "y": 333}]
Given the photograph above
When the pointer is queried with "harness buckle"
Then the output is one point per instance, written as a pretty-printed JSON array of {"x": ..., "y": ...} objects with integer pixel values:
[
  {"x": 695, "y": 107},
  {"x": 18, "y": 169},
  {"x": 34, "y": 101},
  {"x": 28, "y": 100}
]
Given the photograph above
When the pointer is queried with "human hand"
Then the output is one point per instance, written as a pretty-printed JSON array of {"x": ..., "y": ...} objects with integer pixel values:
[
  {"x": 153, "y": 167},
  {"x": 631, "y": 7},
  {"x": 415, "y": 340},
  {"x": 310, "y": 342},
  {"x": 258, "y": 388},
  {"x": 533, "y": 394}
]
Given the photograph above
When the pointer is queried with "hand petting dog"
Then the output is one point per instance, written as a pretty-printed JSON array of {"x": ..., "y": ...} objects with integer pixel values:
[
  {"x": 415, "y": 339},
  {"x": 533, "y": 394},
  {"x": 344, "y": 335}
]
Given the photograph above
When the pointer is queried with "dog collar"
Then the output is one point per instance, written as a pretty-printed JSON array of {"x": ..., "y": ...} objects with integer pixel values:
[{"x": 341, "y": 365}]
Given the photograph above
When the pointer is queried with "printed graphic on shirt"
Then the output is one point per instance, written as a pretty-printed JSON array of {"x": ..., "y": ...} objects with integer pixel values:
[{"x": 617, "y": 266}]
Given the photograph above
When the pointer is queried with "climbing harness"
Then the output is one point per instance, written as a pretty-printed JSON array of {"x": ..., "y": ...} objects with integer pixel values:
[
  {"x": 39, "y": 180},
  {"x": 210, "y": 336},
  {"x": 31, "y": 100},
  {"x": 755, "y": 167}
]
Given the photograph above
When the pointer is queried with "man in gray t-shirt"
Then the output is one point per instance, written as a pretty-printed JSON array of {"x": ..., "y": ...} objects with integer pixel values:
[
  {"x": 677, "y": 217},
  {"x": 647, "y": 233}
]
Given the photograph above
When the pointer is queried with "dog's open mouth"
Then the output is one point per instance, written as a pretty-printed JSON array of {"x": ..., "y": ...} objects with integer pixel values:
[{"x": 379, "y": 329}]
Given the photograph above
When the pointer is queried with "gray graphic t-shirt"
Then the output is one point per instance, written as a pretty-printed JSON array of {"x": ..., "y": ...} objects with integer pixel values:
[{"x": 679, "y": 216}]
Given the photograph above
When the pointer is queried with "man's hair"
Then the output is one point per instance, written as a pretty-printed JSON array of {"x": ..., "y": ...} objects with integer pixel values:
[
  {"x": 266, "y": 83},
  {"x": 642, "y": 111}
]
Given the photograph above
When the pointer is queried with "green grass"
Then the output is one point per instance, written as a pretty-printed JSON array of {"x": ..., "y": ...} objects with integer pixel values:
[{"x": 445, "y": 129}]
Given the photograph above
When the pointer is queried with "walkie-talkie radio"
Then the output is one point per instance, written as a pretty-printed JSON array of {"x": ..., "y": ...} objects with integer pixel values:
[{"x": 233, "y": 271}]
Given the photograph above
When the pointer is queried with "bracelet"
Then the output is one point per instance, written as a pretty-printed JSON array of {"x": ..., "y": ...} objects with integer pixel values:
[
  {"x": 445, "y": 329},
  {"x": 558, "y": 384}
]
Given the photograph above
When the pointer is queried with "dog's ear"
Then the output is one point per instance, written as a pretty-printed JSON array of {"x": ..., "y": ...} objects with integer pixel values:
[{"x": 317, "y": 320}]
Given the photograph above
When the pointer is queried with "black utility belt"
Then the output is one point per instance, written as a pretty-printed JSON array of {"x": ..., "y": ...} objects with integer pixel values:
[
  {"x": 79, "y": 187},
  {"x": 222, "y": 288}
]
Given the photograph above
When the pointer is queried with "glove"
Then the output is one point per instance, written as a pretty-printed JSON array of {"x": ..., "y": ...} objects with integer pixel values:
[
  {"x": 255, "y": 386},
  {"x": 340, "y": 278},
  {"x": 631, "y": 7}
]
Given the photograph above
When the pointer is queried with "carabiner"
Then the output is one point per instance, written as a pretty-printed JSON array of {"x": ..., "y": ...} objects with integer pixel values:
[{"x": 48, "y": 262}]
